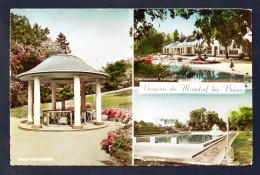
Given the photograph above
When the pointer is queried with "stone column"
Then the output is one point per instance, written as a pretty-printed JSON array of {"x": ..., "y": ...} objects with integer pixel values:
[
  {"x": 77, "y": 123},
  {"x": 30, "y": 102},
  {"x": 134, "y": 140},
  {"x": 152, "y": 139},
  {"x": 173, "y": 140},
  {"x": 83, "y": 96},
  {"x": 37, "y": 103},
  {"x": 98, "y": 103},
  {"x": 53, "y": 96}
]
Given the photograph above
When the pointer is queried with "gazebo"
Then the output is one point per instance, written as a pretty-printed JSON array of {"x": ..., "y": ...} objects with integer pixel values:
[{"x": 62, "y": 69}]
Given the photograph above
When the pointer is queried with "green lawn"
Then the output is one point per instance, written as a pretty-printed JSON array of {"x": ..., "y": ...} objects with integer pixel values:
[
  {"x": 22, "y": 111},
  {"x": 242, "y": 148},
  {"x": 121, "y": 99}
]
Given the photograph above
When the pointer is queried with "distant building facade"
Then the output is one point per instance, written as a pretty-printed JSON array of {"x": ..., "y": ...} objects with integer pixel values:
[
  {"x": 215, "y": 49},
  {"x": 164, "y": 122}
]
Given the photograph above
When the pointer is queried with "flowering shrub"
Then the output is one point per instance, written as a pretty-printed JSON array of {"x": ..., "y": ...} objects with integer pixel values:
[
  {"x": 68, "y": 107},
  {"x": 88, "y": 105},
  {"x": 147, "y": 60},
  {"x": 107, "y": 143},
  {"x": 16, "y": 86},
  {"x": 58, "y": 108},
  {"x": 18, "y": 95},
  {"x": 117, "y": 115},
  {"x": 118, "y": 145}
]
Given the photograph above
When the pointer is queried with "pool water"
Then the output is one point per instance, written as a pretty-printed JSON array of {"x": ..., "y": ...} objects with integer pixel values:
[
  {"x": 193, "y": 139},
  {"x": 201, "y": 74},
  {"x": 162, "y": 139}
]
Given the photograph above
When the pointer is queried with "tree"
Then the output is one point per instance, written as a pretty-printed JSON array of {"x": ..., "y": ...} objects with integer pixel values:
[
  {"x": 199, "y": 47},
  {"x": 116, "y": 74},
  {"x": 62, "y": 42},
  {"x": 150, "y": 44},
  {"x": 142, "y": 26},
  {"x": 49, "y": 48},
  {"x": 22, "y": 32},
  {"x": 201, "y": 119},
  {"x": 242, "y": 119},
  {"x": 29, "y": 46},
  {"x": 64, "y": 94},
  {"x": 195, "y": 119},
  {"x": 167, "y": 39},
  {"x": 175, "y": 35},
  {"x": 226, "y": 26}
]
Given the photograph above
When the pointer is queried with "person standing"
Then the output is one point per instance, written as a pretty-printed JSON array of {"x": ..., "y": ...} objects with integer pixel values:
[
  {"x": 246, "y": 80},
  {"x": 231, "y": 65}
]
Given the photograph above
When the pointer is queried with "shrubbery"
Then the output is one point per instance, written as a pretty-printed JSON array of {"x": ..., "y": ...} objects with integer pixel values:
[
  {"x": 45, "y": 94},
  {"x": 64, "y": 93},
  {"x": 121, "y": 115},
  {"x": 142, "y": 128},
  {"x": 119, "y": 75},
  {"x": 151, "y": 70},
  {"x": 119, "y": 145},
  {"x": 185, "y": 72}
]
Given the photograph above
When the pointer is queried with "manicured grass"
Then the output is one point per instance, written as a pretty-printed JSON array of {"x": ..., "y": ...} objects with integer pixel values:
[
  {"x": 242, "y": 148},
  {"x": 121, "y": 99},
  {"x": 19, "y": 112},
  {"x": 22, "y": 111}
]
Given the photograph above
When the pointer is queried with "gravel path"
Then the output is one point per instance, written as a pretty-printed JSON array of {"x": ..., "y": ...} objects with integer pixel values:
[{"x": 58, "y": 148}]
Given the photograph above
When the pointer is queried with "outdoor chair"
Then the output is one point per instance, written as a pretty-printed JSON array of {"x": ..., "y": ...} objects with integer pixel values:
[
  {"x": 90, "y": 115},
  {"x": 63, "y": 120}
]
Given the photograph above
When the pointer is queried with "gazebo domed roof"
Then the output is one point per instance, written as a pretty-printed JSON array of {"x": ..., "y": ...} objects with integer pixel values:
[{"x": 62, "y": 68}]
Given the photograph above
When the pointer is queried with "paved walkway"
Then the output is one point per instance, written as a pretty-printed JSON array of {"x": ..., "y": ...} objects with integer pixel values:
[{"x": 58, "y": 148}]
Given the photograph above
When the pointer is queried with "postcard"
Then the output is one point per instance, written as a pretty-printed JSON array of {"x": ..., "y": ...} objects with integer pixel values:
[
  {"x": 71, "y": 87},
  {"x": 131, "y": 87},
  {"x": 192, "y": 87}
]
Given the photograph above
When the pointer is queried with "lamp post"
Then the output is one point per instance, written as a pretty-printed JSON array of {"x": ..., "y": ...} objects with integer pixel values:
[{"x": 230, "y": 153}]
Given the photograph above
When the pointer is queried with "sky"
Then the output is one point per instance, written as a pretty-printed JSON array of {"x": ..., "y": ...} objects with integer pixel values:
[
  {"x": 169, "y": 25},
  {"x": 97, "y": 36},
  {"x": 147, "y": 107}
]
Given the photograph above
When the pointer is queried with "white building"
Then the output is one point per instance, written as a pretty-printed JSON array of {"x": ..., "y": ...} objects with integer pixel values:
[
  {"x": 187, "y": 49},
  {"x": 164, "y": 122}
]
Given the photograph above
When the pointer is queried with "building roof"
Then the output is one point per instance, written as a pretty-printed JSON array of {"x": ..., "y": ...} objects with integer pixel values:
[
  {"x": 171, "y": 44},
  {"x": 184, "y": 43},
  {"x": 62, "y": 68}
]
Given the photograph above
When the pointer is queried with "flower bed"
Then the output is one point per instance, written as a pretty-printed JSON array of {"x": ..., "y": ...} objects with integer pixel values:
[
  {"x": 119, "y": 145},
  {"x": 121, "y": 115},
  {"x": 147, "y": 60},
  {"x": 202, "y": 61}
]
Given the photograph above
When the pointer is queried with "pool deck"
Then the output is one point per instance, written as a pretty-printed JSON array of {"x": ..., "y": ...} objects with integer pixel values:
[
  {"x": 183, "y": 154},
  {"x": 239, "y": 68}
]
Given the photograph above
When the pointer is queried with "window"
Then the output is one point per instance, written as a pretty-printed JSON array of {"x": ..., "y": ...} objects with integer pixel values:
[
  {"x": 233, "y": 52},
  {"x": 189, "y": 50}
]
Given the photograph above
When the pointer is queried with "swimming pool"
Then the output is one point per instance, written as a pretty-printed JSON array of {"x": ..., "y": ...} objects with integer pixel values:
[
  {"x": 203, "y": 74},
  {"x": 193, "y": 139}
]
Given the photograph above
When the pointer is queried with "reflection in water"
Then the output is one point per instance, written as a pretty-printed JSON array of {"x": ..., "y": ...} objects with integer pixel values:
[{"x": 206, "y": 75}]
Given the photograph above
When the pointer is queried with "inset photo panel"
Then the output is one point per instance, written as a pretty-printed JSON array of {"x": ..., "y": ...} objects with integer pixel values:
[
  {"x": 71, "y": 87},
  {"x": 192, "y": 91}
]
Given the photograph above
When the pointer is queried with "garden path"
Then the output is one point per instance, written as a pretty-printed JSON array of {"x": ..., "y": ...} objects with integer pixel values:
[{"x": 58, "y": 148}]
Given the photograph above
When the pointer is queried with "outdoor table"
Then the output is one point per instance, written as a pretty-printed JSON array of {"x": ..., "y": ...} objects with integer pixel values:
[{"x": 53, "y": 111}]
